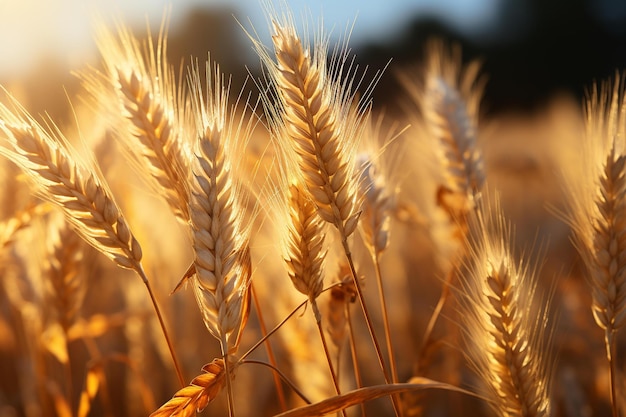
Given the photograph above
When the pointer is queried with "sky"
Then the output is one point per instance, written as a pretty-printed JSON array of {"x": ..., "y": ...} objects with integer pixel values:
[{"x": 30, "y": 29}]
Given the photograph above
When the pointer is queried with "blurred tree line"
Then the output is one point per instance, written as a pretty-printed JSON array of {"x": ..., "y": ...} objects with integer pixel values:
[{"x": 536, "y": 49}]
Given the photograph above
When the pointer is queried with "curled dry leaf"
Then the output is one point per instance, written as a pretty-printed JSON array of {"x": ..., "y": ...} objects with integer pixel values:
[{"x": 198, "y": 394}]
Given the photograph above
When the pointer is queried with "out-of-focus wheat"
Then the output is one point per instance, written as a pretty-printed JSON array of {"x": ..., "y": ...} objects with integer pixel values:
[
  {"x": 597, "y": 202},
  {"x": 449, "y": 98}
]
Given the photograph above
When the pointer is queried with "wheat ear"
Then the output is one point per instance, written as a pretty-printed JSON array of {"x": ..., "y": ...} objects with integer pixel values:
[
  {"x": 220, "y": 235},
  {"x": 449, "y": 98},
  {"x": 63, "y": 271},
  {"x": 503, "y": 328},
  {"x": 304, "y": 255},
  {"x": 313, "y": 120},
  {"x": 60, "y": 177},
  {"x": 597, "y": 204},
  {"x": 147, "y": 107}
]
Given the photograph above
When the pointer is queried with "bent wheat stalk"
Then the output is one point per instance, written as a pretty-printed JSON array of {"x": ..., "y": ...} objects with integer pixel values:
[
  {"x": 60, "y": 177},
  {"x": 322, "y": 131}
]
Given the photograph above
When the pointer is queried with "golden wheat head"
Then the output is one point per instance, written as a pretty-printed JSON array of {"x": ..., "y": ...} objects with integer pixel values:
[
  {"x": 147, "y": 108},
  {"x": 503, "y": 326},
  {"x": 321, "y": 126},
  {"x": 217, "y": 208},
  {"x": 61, "y": 177}
]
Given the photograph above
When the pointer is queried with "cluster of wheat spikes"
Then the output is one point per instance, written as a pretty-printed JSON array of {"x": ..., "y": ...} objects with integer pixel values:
[{"x": 297, "y": 203}]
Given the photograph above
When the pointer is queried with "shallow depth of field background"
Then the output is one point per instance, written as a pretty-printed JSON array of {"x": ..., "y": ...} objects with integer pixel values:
[{"x": 539, "y": 57}]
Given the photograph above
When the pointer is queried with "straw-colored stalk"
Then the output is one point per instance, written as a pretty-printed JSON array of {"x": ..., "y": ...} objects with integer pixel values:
[
  {"x": 374, "y": 225},
  {"x": 449, "y": 98},
  {"x": 217, "y": 208},
  {"x": 304, "y": 255},
  {"x": 322, "y": 129}
]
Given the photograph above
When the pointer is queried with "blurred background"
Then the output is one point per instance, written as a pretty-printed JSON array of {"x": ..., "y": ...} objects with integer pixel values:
[{"x": 531, "y": 49}]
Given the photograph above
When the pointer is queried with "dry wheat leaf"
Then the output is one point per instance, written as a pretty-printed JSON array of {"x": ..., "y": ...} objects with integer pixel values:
[
  {"x": 197, "y": 395},
  {"x": 362, "y": 395}
]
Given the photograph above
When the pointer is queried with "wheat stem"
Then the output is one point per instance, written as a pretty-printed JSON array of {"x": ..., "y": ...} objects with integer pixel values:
[
  {"x": 611, "y": 345},
  {"x": 318, "y": 320},
  {"x": 385, "y": 316},
  {"x": 281, "y": 375},
  {"x": 157, "y": 310},
  {"x": 368, "y": 322},
  {"x": 354, "y": 354},
  {"x": 268, "y": 347}
]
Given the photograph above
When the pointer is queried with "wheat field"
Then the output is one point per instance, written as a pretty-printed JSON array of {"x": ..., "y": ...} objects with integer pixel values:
[{"x": 302, "y": 252}]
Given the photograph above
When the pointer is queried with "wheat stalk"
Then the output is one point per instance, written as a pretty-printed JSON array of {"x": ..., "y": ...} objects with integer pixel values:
[
  {"x": 322, "y": 127},
  {"x": 304, "y": 246},
  {"x": 597, "y": 199},
  {"x": 148, "y": 110},
  {"x": 220, "y": 235},
  {"x": 60, "y": 177},
  {"x": 374, "y": 226},
  {"x": 314, "y": 112},
  {"x": 503, "y": 328}
]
